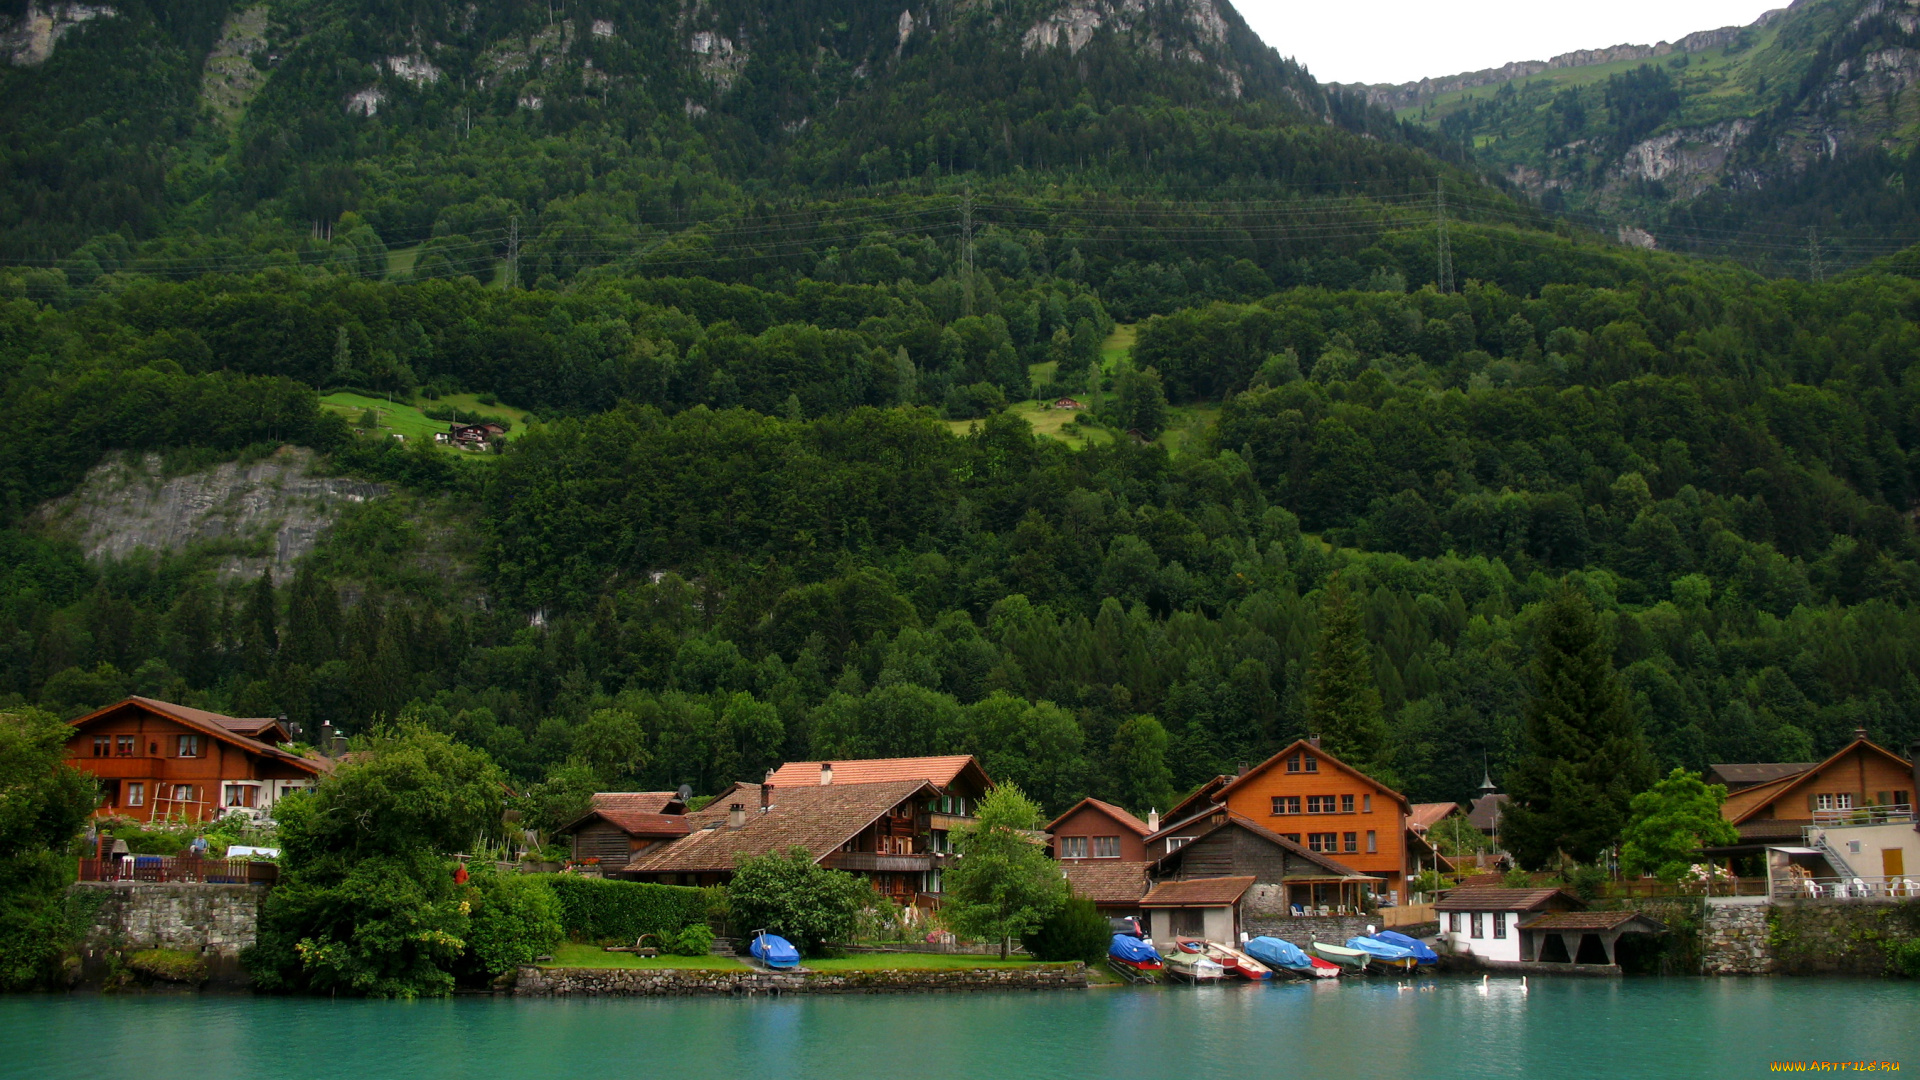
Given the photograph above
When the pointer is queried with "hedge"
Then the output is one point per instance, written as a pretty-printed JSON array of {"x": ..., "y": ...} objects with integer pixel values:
[{"x": 593, "y": 909}]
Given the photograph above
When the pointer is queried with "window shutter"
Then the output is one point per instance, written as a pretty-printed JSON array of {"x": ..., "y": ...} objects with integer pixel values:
[{"x": 1812, "y": 804}]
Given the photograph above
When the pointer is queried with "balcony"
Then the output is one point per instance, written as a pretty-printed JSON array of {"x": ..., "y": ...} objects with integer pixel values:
[
  {"x": 875, "y": 862},
  {"x": 1864, "y": 815},
  {"x": 1795, "y": 887},
  {"x": 948, "y": 822}
]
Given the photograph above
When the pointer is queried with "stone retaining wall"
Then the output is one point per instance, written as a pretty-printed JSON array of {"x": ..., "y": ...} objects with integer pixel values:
[
  {"x": 213, "y": 921},
  {"x": 1848, "y": 937},
  {"x": 687, "y": 982},
  {"x": 1734, "y": 940},
  {"x": 1332, "y": 929}
]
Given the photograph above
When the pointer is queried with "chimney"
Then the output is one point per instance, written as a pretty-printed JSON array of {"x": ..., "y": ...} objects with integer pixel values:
[
  {"x": 1153, "y": 820},
  {"x": 1859, "y": 734},
  {"x": 766, "y": 793},
  {"x": 339, "y": 743},
  {"x": 736, "y": 815},
  {"x": 1242, "y": 770},
  {"x": 826, "y": 773},
  {"x": 1313, "y": 740},
  {"x": 326, "y": 734}
]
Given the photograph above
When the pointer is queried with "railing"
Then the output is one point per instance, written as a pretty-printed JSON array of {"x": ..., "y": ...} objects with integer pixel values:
[
  {"x": 1846, "y": 888},
  {"x": 1653, "y": 889},
  {"x": 1864, "y": 815},
  {"x": 876, "y": 861},
  {"x": 162, "y": 869}
]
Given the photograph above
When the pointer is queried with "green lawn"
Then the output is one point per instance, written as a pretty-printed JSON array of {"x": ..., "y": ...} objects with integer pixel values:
[
  {"x": 1118, "y": 345},
  {"x": 913, "y": 962},
  {"x": 400, "y": 260},
  {"x": 593, "y": 956},
  {"x": 1052, "y": 423},
  {"x": 1187, "y": 425},
  {"x": 405, "y": 418}
]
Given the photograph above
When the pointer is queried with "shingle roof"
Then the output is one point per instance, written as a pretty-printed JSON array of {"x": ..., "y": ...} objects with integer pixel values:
[
  {"x": 1495, "y": 898},
  {"x": 635, "y": 802},
  {"x": 224, "y": 728},
  {"x": 1334, "y": 867},
  {"x": 1426, "y": 815},
  {"x": 816, "y": 818},
  {"x": 1588, "y": 920},
  {"x": 1107, "y": 881},
  {"x": 1486, "y": 812},
  {"x": 1199, "y": 892},
  {"x": 939, "y": 771},
  {"x": 1107, "y": 808},
  {"x": 634, "y": 823},
  {"x": 1758, "y": 772}
]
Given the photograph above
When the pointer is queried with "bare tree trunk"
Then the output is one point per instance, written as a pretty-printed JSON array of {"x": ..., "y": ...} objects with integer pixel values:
[{"x": 1003, "y": 947}]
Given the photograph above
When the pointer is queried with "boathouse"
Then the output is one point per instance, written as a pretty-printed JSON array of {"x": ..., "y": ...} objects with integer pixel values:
[
  {"x": 1484, "y": 921},
  {"x": 1203, "y": 907}
]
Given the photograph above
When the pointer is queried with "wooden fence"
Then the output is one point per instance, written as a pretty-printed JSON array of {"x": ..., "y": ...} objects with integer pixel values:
[{"x": 163, "y": 869}]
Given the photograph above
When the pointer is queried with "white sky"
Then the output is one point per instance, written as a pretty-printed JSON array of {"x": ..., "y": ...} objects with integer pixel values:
[{"x": 1379, "y": 41}]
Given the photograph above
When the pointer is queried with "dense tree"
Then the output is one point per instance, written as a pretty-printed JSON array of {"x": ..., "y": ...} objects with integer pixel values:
[
  {"x": 1343, "y": 703},
  {"x": 788, "y": 894},
  {"x": 1003, "y": 885},
  {"x": 1672, "y": 821},
  {"x": 43, "y": 803}
]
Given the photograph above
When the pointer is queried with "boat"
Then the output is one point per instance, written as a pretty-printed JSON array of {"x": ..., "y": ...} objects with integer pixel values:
[
  {"x": 1236, "y": 962},
  {"x": 1355, "y": 959},
  {"x": 1131, "y": 952},
  {"x": 1286, "y": 956},
  {"x": 1422, "y": 952},
  {"x": 774, "y": 951},
  {"x": 1193, "y": 967},
  {"x": 1394, "y": 957}
]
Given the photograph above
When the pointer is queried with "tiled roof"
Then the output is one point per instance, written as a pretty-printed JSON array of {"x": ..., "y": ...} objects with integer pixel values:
[
  {"x": 1495, "y": 898},
  {"x": 636, "y": 824},
  {"x": 224, "y": 728},
  {"x": 1758, "y": 772},
  {"x": 1772, "y": 829},
  {"x": 1107, "y": 808},
  {"x": 939, "y": 771},
  {"x": 1304, "y": 746},
  {"x": 1486, "y": 812},
  {"x": 1107, "y": 881},
  {"x": 816, "y": 818},
  {"x": 1199, "y": 892},
  {"x": 635, "y": 802},
  {"x": 1426, "y": 815},
  {"x": 1587, "y": 920}
]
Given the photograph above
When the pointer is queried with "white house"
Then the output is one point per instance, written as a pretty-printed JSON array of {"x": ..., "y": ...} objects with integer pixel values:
[{"x": 1484, "y": 921}]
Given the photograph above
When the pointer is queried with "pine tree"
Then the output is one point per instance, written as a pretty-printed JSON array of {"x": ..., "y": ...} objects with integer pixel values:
[
  {"x": 1584, "y": 757},
  {"x": 1343, "y": 704},
  {"x": 259, "y": 628}
]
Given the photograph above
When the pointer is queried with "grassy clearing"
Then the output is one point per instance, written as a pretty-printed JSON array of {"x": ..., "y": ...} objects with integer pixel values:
[
  {"x": 1187, "y": 427},
  {"x": 406, "y": 419},
  {"x": 400, "y": 260},
  {"x": 471, "y": 403},
  {"x": 593, "y": 956},
  {"x": 1118, "y": 346},
  {"x": 1051, "y": 423},
  {"x": 914, "y": 962}
]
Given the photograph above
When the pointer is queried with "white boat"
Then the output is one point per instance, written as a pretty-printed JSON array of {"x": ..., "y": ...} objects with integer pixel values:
[{"x": 1193, "y": 967}]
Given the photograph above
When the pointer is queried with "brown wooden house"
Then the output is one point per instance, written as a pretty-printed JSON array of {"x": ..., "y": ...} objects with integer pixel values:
[
  {"x": 1859, "y": 776},
  {"x": 157, "y": 761},
  {"x": 958, "y": 780},
  {"x": 1092, "y": 829},
  {"x": 620, "y": 824},
  {"x": 1228, "y": 845}
]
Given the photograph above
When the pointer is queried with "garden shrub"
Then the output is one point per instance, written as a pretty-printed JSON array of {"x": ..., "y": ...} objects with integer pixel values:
[
  {"x": 515, "y": 917},
  {"x": 1075, "y": 931},
  {"x": 594, "y": 909},
  {"x": 1903, "y": 957},
  {"x": 693, "y": 939}
]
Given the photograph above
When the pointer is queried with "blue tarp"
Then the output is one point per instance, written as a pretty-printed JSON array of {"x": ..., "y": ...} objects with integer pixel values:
[
  {"x": 1277, "y": 953},
  {"x": 1378, "y": 949},
  {"x": 774, "y": 951},
  {"x": 1132, "y": 950},
  {"x": 1420, "y": 950}
]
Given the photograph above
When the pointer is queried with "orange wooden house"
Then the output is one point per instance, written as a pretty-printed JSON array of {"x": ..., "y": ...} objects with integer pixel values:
[{"x": 157, "y": 761}]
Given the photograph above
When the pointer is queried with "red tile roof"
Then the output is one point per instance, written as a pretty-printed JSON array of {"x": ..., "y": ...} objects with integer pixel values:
[
  {"x": 1496, "y": 898},
  {"x": 1199, "y": 892},
  {"x": 225, "y": 728},
  {"x": 1426, "y": 815},
  {"x": 816, "y": 818},
  {"x": 635, "y": 802},
  {"x": 1108, "y": 881},
  {"x": 1116, "y": 813},
  {"x": 939, "y": 771}
]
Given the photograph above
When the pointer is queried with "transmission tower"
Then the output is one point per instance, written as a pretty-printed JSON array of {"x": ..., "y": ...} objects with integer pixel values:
[
  {"x": 1444, "y": 272},
  {"x": 966, "y": 247},
  {"x": 1815, "y": 268},
  {"x": 513, "y": 253}
]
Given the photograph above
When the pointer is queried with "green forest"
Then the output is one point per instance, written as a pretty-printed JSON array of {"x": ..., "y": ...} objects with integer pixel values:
[{"x": 765, "y": 316}]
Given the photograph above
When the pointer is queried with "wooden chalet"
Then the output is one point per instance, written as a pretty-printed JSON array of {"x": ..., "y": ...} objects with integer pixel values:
[
  {"x": 161, "y": 762},
  {"x": 1739, "y": 776},
  {"x": 1302, "y": 882},
  {"x": 881, "y": 830},
  {"x": 1092, "y": 829},
  {"x": 620, "y": 824},
  {"x": 959, "y": 783},
  {"x": 1852, "y": 782}
]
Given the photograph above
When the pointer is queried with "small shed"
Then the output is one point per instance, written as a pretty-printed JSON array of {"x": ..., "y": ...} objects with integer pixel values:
[
  {"x": 1580, "y": 937},
  {"x": 1201, "y": 907},
  {"x": 1068, "y": 403},
  {"x": 1484, "y": 920}
]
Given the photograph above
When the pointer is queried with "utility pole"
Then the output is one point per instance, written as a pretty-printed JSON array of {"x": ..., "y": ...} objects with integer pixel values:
[
  {"x": 1444, "y": 271},
  {"x": 966, "y": 247},
  {"x": 1815, "y": 269},
  {"x": 513, "y": 253}
]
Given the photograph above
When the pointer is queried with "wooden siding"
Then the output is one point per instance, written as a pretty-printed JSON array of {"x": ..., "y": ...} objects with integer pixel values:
[
  {"x": 1870, "y": 777},
  {"x": 156, "y": 763},
  {"x": 1091, "y": 821},
  {"x": 1253, "y": 799},
  {"x": 605, "y": 841}
]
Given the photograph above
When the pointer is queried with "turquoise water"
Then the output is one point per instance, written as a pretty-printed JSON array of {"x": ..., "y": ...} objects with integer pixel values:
[{"x": 1559, "y": 1028}]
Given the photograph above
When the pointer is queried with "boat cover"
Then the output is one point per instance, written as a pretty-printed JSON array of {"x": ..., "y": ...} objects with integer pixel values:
[
  {"x": 774, "y": 951},
  {"x": 1379, "y": 949},
  {"x": 1278, "y": 953},
  {"x": 1132, "y": 950},
  {"x": 1421, "y": 951}
]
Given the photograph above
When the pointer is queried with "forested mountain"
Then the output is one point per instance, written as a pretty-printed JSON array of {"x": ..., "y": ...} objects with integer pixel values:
[
  {"x": 766, "y": 279},
  {"x": 1735, "y": 141}
]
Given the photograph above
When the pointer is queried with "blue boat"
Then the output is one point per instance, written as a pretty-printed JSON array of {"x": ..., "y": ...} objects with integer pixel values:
[
  {"x": 1388, "y": 955},
  {"x": 1287, "y": 956},
  {"x": 774, "y": 951},
  {"x": 1130, "y": 951},
  {"x": 1421, "y": 952}
]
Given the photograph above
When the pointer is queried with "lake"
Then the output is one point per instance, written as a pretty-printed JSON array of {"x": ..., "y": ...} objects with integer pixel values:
[{"x": 1451, "y": 1027}]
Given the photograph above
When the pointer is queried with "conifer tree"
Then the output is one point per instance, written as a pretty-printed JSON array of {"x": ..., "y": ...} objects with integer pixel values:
[
  {"x": 1583, "y": 757},
  {"x": 1343, "y": 704}
]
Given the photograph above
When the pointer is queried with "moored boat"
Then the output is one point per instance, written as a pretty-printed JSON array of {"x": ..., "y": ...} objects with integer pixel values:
[
  {"x": 1286, "y": 956},
  {"x": 774, "y": 951},
  {"x": 1352, "y": 959},
  {"x": 1237, "y": 963},
  {"x": 1394, "y": 957},
  {"x": 1422, "y": 952},
  {"x": 1129, "y": 951},
  {"x": 1193, "y": 966}
]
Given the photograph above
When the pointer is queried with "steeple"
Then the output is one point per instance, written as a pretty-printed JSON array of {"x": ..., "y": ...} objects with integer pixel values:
[{"x": 1487, "y": 786}]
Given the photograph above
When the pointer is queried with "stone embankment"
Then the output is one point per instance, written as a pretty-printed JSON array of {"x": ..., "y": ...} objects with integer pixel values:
[
  {"x": 686, "y": 982},
  {"x": 212, "y": 922}
]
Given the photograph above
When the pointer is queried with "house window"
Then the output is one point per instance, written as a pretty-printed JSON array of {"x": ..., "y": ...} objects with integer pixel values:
[
  {"x": 183, "y": 793},
  {"x": 1346, "y": 804},
  {"x": 1106, "y": 847},
  {"x": 1293, "y": 836},
  {"x": 1312, "y": 764},
  {"x": 136, "y": 793},
  {"x": 1328, "y": 842},
  {"x": 1453, "y": 921},
  {"x": 240, "y": 795},
  {"x": 1293, "y": 763},
  {"x": 1286, "y": 804},
  {"x": 1366, "y": 804},
  {"x": 1499, "y": 924},
  {"x": 1373, "y": 842},
  {"x": 1479, "y": 924},
  {"x": 1073, "y": 847},
  {"x": 1319, "y": 804},
  {"x": 123, "y": 746},
  {"x": 102, "y": 746},
  {"x": 1350, "y": 843},
  {"x": 189, "y": 746},
  {"x": 1174, "y": 843},
  {"x": 1840, "y": 801}
]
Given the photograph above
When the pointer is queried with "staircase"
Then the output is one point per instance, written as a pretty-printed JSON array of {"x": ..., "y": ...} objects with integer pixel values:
[{"x": 1818, "y": 837}]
